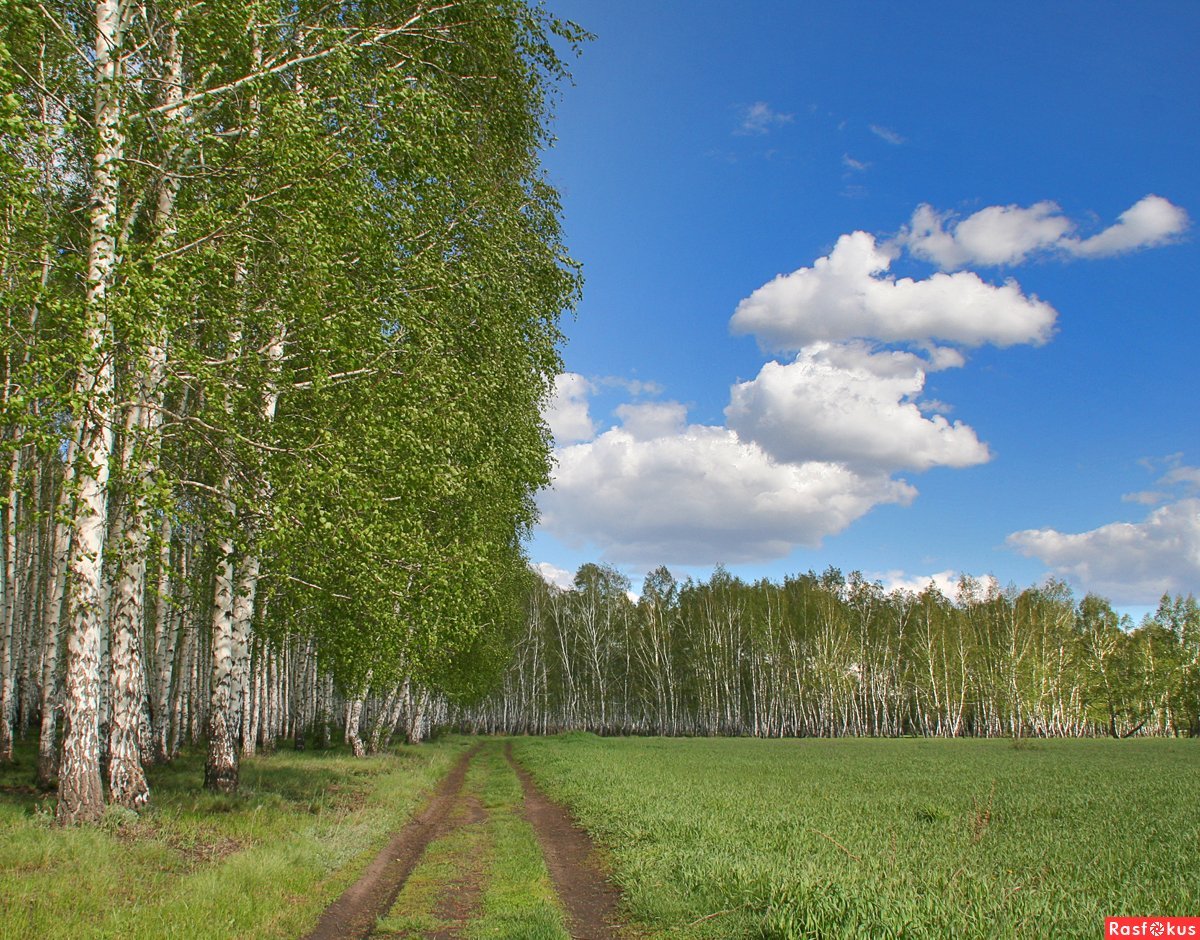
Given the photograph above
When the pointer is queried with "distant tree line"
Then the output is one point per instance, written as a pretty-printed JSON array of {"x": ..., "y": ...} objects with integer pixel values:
[
  {"x": 280, "y": 285},
  {"x": 828, "y": 655}
]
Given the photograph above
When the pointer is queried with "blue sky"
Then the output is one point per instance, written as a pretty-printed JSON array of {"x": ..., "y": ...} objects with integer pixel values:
[{"x": 994, "y": 374}]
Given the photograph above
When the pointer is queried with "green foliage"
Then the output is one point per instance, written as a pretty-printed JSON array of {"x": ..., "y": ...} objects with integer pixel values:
[{"x": 334, "y": 315}]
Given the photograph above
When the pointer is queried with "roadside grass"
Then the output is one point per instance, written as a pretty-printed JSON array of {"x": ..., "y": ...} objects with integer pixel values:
[
  {"x": 499, "y": 853},
  {"x": 885, "y": 838},
  {"x": 262, "y": 863}
]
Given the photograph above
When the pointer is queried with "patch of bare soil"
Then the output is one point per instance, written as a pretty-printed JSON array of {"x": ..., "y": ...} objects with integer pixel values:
[
  {"x": 353, "y": 915},
  {"x": 575, "y": 869}
]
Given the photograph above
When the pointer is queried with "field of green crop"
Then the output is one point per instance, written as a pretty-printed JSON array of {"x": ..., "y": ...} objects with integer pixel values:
[{"x": 885, "y": 838}]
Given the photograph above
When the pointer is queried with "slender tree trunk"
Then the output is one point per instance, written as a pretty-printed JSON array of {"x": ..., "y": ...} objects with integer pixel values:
[
  {"x": 242, "y": 617},
  {"x": 80, "y": 791},
  {"x": 418, "y": 706},
  {"x": 221, "y": 768},
  {"x": 354, "y": 710},
  {"x": 126, "y": 779},
  {"x": 8, "y": 584},
  {"x": 56, "y": 579},
  {"x": 166, "y": 637},
  {"x": 140, "y": 460}
]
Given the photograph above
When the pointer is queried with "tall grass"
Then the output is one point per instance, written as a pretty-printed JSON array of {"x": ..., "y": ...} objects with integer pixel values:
[
  {"x": 263, "y": 863},
  {"x": 886, "y": 838}
]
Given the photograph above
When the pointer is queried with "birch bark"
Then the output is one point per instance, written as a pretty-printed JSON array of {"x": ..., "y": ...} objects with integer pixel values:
[
  {"x": 8, "y": 572},
  {"x": 221, "y": 768},
  {"x": 80, "y": 793},
  {"x": 140, "y": 459}
]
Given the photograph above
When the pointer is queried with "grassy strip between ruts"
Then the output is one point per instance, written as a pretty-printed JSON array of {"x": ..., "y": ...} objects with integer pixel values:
[
  {"x": 262, "y": 863},
  {"x": 491, "y": 854},
  {"x": 885, "y": 838}
]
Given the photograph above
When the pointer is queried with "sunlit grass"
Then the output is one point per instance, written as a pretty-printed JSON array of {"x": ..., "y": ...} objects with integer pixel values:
[
  {"x": 914, "y": 838},
  {"x": 262, "y": 863}
]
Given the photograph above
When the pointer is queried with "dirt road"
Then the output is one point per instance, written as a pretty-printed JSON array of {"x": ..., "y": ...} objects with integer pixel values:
[{"x": 453, "y": 823}]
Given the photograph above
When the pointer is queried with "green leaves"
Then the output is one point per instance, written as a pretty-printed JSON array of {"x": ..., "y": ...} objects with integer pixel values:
[{"x": 337, "y": 293}]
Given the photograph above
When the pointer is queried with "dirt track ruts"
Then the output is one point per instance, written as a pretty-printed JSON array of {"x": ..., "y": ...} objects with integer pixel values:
[
  {"x": 590, "y": 898},
  {"x": 353, "y": 915}
]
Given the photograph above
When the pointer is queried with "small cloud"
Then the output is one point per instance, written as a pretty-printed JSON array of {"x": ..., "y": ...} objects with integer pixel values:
[
  {"x": 1149, "y": 222},
  {"x": 849, "y": 294},
  {"x": 699, "y": 493},
  {"x": 760, "y": 118},
  {"x": 993, "y": 236},
  {"x": 1183, "y": 476},
  {"x": 1005, "y": 235},
  {"x": 635, "y": 387},
  {"x": 847, "y": 403},
  {"x": 552, "y": 574},
  {"x": 1131, "y": 562},
  {"x": 1145, "y": 497},
  {"x": 945, "y": 581},
  {"x": 886, "y": 134},
  {"x": 858, "y": 166},
  {"x": 1179, "y": 480}
]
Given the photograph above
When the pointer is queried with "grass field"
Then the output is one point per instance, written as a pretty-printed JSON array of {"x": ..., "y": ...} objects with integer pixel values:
[
  {"x": 263, "y": 863},
  {"x": 707, "y": 838},
  {"x": 885, "y": 838}
]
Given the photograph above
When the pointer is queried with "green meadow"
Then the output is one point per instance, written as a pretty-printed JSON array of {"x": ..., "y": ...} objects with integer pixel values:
[
  {"x": 705, "y": 837},
  {"x": 885, "y": 838},
  {"x": 262, "y": 863}
]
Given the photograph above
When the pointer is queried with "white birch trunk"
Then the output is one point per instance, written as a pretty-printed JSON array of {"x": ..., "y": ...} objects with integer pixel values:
[
  {"x": 140, "y": 460},
  {"x": 8, "y": 638},
  {"x": 242, "y": 617},
  {"x": 80, "y": 792},
  {"x": 165, "y": 642},
  {"x": 56, "y": 579},
  {"x": 354, "y": 710},
  {"x": 126, "y": 779},
  {"x": 254, "y": 719},
  {"x": 221, "y": 768}
]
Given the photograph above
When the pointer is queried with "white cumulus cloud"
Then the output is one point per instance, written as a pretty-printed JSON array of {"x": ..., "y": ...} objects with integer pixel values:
[
  {"x": 945, "y": 581},
  {"x": 552, "y": 574},
  {"x": 849, "y": 294},
  {"x": 701, "y": 495},
  {"x": 1008, "y": 235},
  {"x": 567, "y": 414},
  {"x": 1131, "y": 562},
  {"x": 992, "y": 236},
  {"x": 847, "y": 403},
  {"x": 652, "y": 419},
  {"x": 1149, "y": 222}
]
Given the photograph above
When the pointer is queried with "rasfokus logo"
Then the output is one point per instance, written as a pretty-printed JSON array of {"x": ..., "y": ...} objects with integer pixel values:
[{"x": 1152, "y": 927}]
